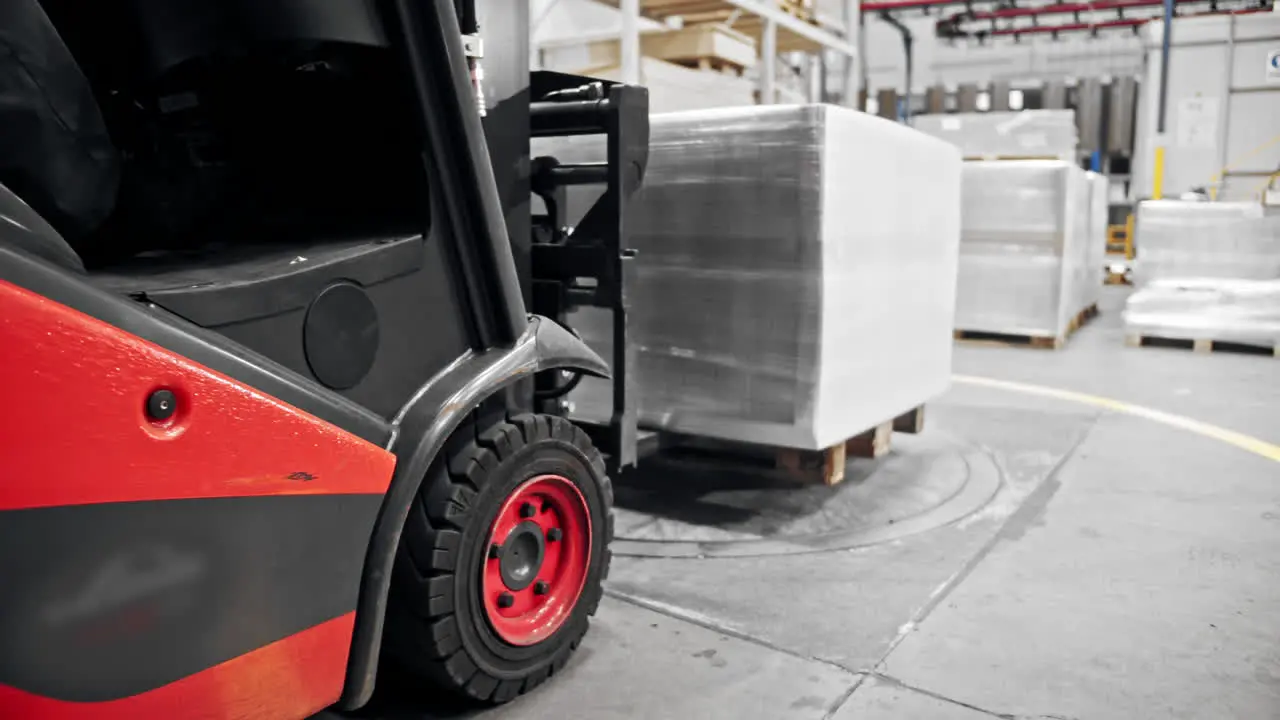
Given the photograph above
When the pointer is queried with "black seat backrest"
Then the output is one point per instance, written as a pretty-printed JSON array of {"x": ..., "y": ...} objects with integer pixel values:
[
  {"x": 55, "y": 152},
  {"x": 23, "y": 228},
  {"x": 176, "y": 32}
]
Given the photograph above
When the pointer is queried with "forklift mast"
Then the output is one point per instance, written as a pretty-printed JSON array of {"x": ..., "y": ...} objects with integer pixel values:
[{"x": 563, "y": 263}]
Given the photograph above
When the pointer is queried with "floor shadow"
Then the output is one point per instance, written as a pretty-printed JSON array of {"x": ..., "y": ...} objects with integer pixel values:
[
  {"x": 698, "y": 488},
  {"x": 400, "y": 697}
]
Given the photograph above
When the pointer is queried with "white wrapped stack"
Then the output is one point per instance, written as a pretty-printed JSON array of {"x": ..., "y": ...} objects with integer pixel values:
[
  {"x": 1218, "y": 309},
  {"x": 1184, "y": 239},
  {"x": 1023, "y": 134},
  {"x": 795, "y": 282},
  {"x": 1099, "y": 220},
  {"x": 1025, "y": 247},
  {"x": 1207, "y": 271}
]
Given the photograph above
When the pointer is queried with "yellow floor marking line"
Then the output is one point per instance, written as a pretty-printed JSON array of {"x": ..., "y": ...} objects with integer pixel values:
[{"x": 1231, "y": 437}]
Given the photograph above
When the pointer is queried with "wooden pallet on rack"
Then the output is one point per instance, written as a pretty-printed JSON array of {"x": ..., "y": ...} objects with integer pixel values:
[
  {"x": 788, "y": 41},
  {"x": 808, "y": 466},
  {"x": 727, "y": 15},
  {"x": 1201, "y": 345},
  {"x": 1046, "y": 342},
  {"x": 714, "y": 10},
  {"x": 706, "y": 47}
]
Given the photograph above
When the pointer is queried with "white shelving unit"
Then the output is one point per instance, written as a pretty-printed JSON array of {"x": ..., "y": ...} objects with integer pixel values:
[{"x": 778, "y": 31}]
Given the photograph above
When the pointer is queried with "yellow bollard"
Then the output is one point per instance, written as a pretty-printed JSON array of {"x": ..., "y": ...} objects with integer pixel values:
[
  {"x": 1128, "y": 237},
  {"x": 1157, "y": 181}
]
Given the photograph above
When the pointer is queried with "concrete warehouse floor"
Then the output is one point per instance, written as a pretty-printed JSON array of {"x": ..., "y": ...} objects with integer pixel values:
[{"x": 1117, "y": 567}]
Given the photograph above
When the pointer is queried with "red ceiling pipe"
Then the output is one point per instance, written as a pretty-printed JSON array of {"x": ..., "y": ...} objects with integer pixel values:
[
  {"x": 1068, "y": 27},
  {"x": 1066, "y": 8},
  {"x": 1082, "y": 27},
  {"x": 892, "y": 5}
]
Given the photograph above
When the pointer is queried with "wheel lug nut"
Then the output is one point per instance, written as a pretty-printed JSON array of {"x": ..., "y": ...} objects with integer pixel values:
[
  {"x": 554, "y": 535},
  {"x": 542, "y": 587},
  {"x": 505, "y": 600},
  {"x": 495, "y": 551},
  {"x": 527, "y": 510}
]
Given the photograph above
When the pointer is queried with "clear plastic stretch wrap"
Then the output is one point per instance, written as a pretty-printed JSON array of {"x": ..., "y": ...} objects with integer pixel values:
[
  {"x": 1023, "y": 134},
  {"x": 1099, "y": 211},
  {"x": 795, "y": 282},
  {"x": 1207, "y": 271},
  {"x": 1025, "y": 262},
  {"x": 1187, "y": 239},
  {"x": 1222, "y": 309}
]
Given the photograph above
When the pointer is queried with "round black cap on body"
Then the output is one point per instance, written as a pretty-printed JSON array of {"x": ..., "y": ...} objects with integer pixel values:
[{"x": 340, "y": 335}]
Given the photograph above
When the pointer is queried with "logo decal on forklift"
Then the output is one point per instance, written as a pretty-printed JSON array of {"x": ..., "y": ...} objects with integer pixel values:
[{"x": 302, "y": 476}]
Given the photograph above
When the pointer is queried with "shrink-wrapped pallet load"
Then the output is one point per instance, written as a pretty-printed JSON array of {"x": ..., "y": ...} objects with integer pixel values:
[
  {"x": 1099, "y": 211},
  {"x": 1183, "y": 239},
  {"x": 1005, "y": 135},
  {"x": 1207, "y": 271},
  {"x": 1208, "y": 309},
  {"x": 1025, "y": 247},
  {"x": 795, "y": 277}
]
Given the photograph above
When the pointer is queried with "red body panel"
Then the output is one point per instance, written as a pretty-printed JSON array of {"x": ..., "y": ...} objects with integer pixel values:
[
  {"x": 74, "y": 429},
  {"x": 74, "y": 432},
  {"x": 292, "y": 678}
]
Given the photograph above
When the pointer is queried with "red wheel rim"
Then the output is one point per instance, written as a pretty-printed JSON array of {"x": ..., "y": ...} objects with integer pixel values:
[{"x": 536, "y": 562}]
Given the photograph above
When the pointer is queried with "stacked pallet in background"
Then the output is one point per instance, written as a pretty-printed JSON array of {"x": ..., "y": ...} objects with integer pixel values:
[
  {"x": 694, "y": 68},
  {"x": 1209, "y": 276},
  {"x": 1042, "y": 134},
  {"x": 718, "y": 13},
  {"x": 1097, "y": 238},
  {"x": 707, "y": 47},
  {"x": 768, "y": 305},
  {"x": 1033, "y": 226},
  {"x": 1025, "y": 255}
]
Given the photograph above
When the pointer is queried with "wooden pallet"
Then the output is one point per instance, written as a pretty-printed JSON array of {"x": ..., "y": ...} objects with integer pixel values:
[
  {"x": 712, "y": 63},
  {"x": 788, "y": 41},
  {"x": 706, "y": 47},
  {"x": 807, "y": 466},
  {"x": 1117, "y": 278},
  {"x": 1046, "y": 342},
  {"x": 1201, "y": 346},
  {"x": 697, "y": 11},
  {"x": 719, "y": 13}
]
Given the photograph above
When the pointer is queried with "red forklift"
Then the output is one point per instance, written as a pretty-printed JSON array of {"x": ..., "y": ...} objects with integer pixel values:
[{"x": 285, "y": 354}]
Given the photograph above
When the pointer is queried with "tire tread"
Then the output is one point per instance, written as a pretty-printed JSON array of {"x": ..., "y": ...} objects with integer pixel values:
[{"x": 432, "y": 539}]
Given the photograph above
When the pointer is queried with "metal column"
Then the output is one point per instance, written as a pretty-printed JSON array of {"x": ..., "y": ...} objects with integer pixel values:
[
  {"x": 1000, "y": 95},
  {"x": 768, "y": 63},
  {"x": 1157, "y": 185},
  {"x": 935, "y": 99},
  {"x": 853, "y": 67},
  {"x": 629, "y": 45}
]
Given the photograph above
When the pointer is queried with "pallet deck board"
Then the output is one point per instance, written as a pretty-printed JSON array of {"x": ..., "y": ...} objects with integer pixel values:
[
  {"x": 1046, "y": 342},
  {"x": 825, "y": 467}
]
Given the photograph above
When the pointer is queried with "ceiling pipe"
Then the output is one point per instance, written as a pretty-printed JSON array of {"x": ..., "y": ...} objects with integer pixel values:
[{"x": 906, "y": 46}]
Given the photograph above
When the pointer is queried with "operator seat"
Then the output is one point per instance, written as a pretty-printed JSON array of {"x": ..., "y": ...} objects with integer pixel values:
[{"x": 55, "y": 153}]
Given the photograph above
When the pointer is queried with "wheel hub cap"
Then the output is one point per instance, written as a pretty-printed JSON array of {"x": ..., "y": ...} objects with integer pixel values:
[
  {"x": 536, "y": 566},
  {"x": 521, "y": 556}
]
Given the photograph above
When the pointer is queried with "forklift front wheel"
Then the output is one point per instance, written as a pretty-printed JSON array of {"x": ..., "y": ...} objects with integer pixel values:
[{"x": 502, "y": 558}]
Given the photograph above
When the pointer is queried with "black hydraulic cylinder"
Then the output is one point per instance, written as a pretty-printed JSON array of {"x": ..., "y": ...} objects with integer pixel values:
[
  {"x": 580, "y": 174},
  {"x": 577, "y": 117}
]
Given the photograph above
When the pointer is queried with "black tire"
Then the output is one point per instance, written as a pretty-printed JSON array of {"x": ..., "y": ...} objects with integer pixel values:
[{"x": 436, "y": 626}]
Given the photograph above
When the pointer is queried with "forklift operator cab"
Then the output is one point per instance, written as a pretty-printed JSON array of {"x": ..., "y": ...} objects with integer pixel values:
[{"x": 274, "y": 406}]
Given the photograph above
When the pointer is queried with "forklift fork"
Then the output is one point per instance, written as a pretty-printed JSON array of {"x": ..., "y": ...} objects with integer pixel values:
[{"x": 590, "y": 264}]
